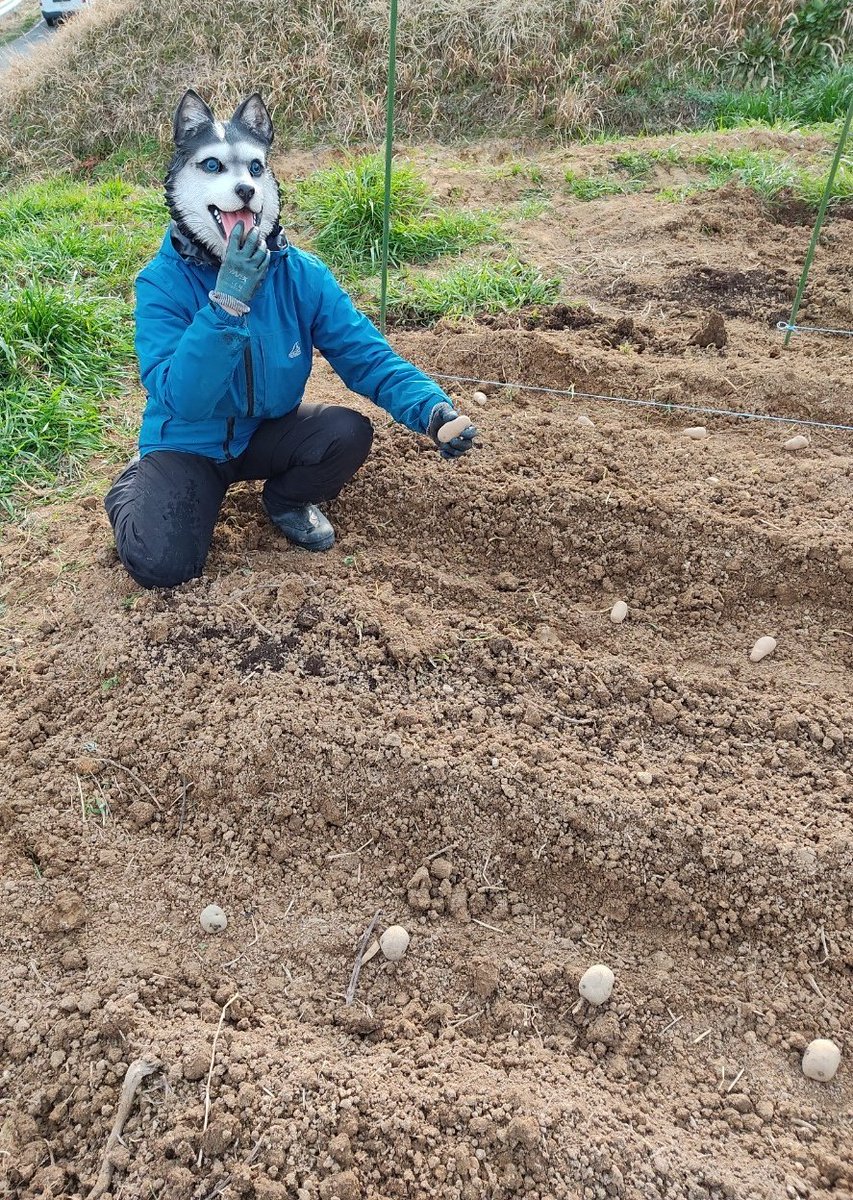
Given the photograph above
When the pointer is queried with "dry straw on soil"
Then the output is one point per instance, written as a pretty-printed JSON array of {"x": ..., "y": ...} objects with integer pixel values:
[{"x": 464, "y": 66}]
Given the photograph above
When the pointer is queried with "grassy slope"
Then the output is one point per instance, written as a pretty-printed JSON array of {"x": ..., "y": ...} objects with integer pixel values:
[{"x": 464, "y": 67}]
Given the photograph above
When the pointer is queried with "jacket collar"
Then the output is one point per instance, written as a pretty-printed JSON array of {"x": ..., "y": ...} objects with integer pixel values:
[{"x": 179, "y": 243}]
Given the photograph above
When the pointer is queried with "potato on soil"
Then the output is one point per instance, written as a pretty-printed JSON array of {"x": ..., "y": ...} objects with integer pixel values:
[
  {"x": 596, "y": 984},
  {"x": 394, "y": 942},
  {"x": 213, "y": 919},
  {"x": 821, "y": 1060}
]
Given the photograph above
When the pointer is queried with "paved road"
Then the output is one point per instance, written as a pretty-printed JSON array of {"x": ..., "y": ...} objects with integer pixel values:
[{"x": 22, "y": 46}]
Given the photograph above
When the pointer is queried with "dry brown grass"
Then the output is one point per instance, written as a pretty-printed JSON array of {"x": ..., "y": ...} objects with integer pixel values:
[
  {"x": 19, "y": 20},
  {"x": 464, "y": 66}
]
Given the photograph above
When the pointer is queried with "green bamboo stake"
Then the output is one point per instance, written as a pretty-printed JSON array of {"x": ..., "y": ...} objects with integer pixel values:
[
  {"x": 821, "y": 213},
  {"x": 389, "y": 147}
]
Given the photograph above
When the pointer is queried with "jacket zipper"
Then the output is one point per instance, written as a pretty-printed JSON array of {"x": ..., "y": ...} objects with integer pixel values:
[
  {"x": 229, "y": 434},
  {"x": 250, "y": 381},
  {"x": 250, "y": 393}
]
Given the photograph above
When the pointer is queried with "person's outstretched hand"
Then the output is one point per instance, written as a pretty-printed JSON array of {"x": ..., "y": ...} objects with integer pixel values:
[
  {"x": 244, "y": 266},
  {"x": 441, "y": 415}
]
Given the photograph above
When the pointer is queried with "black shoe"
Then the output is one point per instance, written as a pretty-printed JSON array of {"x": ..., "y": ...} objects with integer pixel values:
[{"x": 305, "y": 526}]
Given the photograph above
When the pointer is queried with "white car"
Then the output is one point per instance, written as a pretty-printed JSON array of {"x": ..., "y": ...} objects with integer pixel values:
[{"x": 55, "y": 11}]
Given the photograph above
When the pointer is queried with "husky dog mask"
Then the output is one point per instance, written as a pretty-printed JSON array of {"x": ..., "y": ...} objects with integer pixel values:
[{"x": 219, "y": 174}]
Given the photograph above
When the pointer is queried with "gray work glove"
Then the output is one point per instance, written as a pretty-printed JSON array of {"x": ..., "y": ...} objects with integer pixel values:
[
  {"x": 244, "y": 265},
  {"x": 461, "y": 444}
]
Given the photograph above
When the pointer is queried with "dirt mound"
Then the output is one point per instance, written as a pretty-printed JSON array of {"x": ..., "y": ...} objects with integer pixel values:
[{"x": 439, "y": 721}]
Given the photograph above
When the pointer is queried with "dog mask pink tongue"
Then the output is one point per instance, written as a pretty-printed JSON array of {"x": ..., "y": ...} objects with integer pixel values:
[{"x": 230, "y": 219}]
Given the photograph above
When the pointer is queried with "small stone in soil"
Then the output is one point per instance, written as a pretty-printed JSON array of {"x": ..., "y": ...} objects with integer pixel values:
[
  {"x": 618, "y": 612},
  {"x": 763, "y": 647},
  {"x": 797, "y": 443},
  {"x": 697, "y": 432},
  {"x": 394, "y": 942},
  {"x": 821, "y": 1060},
  {"x": 584, "y": 420},
  {"x": 596, "y": 984},
  {"x": 480, "y": 398},
  {"x": 213, "y": 919}
]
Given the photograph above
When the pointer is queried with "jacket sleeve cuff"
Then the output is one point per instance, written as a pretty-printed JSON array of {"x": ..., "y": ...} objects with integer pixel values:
[{"x": 226, "y": 318}]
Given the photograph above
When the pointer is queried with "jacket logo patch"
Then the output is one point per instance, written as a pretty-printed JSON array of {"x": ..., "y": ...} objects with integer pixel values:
[{"x": 296, "y": 351}]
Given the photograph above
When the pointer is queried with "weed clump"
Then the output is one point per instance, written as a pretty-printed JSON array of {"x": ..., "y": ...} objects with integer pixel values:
[
  {"x": 492, "y": 286},
  {"x": 343, "y": 207},
  {"x": 68, "y": 255}
]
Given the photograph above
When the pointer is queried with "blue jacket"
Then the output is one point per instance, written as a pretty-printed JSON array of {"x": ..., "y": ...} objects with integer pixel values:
[{"x": 212, "y": 378}]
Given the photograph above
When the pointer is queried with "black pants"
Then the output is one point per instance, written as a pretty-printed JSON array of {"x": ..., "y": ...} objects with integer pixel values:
[{"x": 163, "y": 509}]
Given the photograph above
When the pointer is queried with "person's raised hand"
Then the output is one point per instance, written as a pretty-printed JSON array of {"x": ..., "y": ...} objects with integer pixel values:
[{"x": 244, "y": 266}]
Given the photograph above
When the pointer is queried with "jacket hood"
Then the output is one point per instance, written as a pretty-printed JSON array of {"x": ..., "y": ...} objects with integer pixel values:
[{"x": 199, "y": 256}]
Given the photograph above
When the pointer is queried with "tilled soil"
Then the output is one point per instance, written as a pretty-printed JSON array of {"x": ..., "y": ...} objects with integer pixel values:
[{"x": 439, "y": 721}]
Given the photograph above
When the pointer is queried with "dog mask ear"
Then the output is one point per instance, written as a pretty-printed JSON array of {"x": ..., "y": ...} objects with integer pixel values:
[
  {"x": 254, "y": 114},
  {"x": 191, "y": 114}
]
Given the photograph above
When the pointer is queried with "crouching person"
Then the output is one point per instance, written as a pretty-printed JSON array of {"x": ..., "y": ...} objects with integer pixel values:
[{"x": 227, "y": 317}]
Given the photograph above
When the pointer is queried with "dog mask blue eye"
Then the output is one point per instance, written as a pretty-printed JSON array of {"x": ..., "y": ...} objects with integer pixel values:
[
  {"x": 211, "y": 165},
  {"x": 256, "y": 168}
]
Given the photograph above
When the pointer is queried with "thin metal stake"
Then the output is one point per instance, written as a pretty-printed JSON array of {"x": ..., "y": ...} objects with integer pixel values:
[
  {"x": 821, "y": 213},
  {"x": 389, "y": 149}
]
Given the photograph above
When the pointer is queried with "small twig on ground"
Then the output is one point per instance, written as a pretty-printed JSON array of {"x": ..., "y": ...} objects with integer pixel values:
[
  {"x": 826, "y": 954},
  {"x": 82, "y": 801},
  {"x": 111, "y": 762},
  {"x": 353, "y": 983},
  {"x": 48, "y": 987},
  {"x": 735, "y": 1080},
  {"x": 672, "y": 1024},
  {"x": 183, "y": 806},
  {"x": 134, "y": 1075},
  {"x": 350, "y": 853},
  {"x": 225, "y": 1182},
  {"x": 485, "y": 925},
  {"x": 438, "y": 853},
  {"x": 267, "y": 632},
  {"x": 465, "y": 1020},
  {"x": 225, "y": 1008},
  {"x": 810, "y": 980},
  {"x": 701, "y": 1037}
]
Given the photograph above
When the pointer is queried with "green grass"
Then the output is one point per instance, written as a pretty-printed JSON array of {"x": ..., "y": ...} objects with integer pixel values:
[
  {"x": 597, "y": 187},
  {"x": 810, "y": 97},
  {"x": 343, "y": 210},
  {"x": 640, "y": 164},
  {"x": 45, "y": 432},
  {"x": 68, "y": 255},
  {"x": 61, "y": 231},
  {"x": 813, "y": 94},
  {"x": 771, "y": 174},
  {"x": 468, "y": 289}
]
